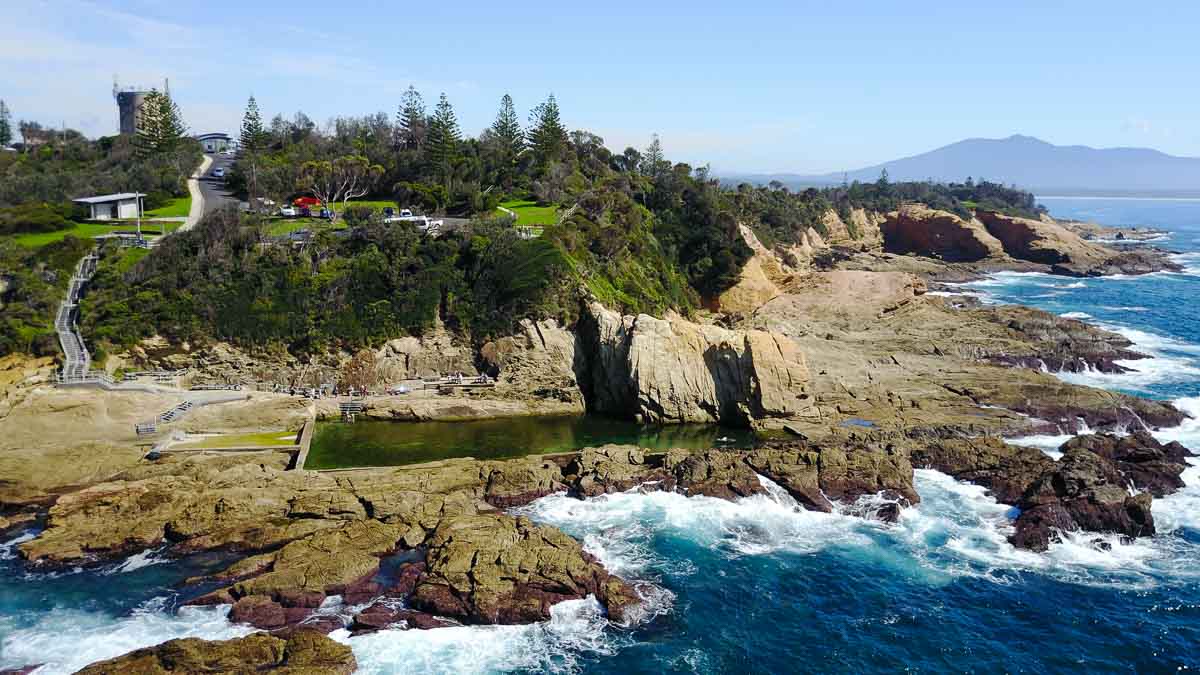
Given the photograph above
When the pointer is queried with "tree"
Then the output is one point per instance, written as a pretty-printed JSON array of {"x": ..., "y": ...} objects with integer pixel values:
[
  {"x": 547, "y": 135},
  {"x": 161, "y": 129},
  {"x": 411, "y": 124},
  {"x": 507, "y": 132},
  {"x": 253, "y": 141},
  {"x": 339, "y": 180},
  {"x": 443, "y": 140},
  {"x": 6, "y": 134},
  {"x": 653, "y": 162}
]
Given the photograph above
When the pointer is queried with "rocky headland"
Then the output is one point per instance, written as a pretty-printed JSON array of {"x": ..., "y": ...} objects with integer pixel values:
[{"x": 835, "y": 340}]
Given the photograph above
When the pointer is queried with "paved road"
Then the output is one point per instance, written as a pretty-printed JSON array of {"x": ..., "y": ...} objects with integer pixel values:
[{"x": 213, "y": 189}]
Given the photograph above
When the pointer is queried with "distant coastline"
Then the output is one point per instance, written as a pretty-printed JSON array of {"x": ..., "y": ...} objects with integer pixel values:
[{"x": 1195, "y": 198}]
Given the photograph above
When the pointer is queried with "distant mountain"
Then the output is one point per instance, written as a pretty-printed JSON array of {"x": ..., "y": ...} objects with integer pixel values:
[{"x": 1029, "y": 163}]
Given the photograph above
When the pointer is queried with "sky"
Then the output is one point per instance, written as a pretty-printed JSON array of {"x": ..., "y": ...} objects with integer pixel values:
[{"x": 769, "y": 86}]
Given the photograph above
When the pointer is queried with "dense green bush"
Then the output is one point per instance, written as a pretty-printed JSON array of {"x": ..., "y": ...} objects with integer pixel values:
[
  {"x": 34, "y": 283},
  {"x": 35, "y": 217}
]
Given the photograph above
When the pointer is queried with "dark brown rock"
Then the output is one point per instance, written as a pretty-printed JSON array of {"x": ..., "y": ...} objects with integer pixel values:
[
  {"x": 1005, "y": 470},
  {"x": 1084, "y": 492},
  {"x": 1141, "y": 459},
  {"x": 389, "y": 614},
  {"x": 259, "y": 611}
]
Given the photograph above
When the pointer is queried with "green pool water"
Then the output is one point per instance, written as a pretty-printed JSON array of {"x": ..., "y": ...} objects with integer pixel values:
[{"x": 337, "y": 445}]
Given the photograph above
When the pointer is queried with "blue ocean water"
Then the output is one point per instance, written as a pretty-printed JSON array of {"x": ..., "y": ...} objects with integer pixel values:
[{"x": 758, "y": 586}]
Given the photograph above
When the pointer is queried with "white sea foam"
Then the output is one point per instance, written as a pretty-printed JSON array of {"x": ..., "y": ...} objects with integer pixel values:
[
  {"x": 1047, "y": 443},
  {"x": 8, "y": 549},
  {"x": 577, "y": 628},
  {"x": 65, "y": 640},
  {"x": 1169, "y": 361},
  {"x": 1076, "y": 315},
  {"x": 138, "y": 561}
]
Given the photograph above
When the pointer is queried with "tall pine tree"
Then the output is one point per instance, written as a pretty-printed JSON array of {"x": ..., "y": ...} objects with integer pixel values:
[
  {"x": 653, "y": 162},
  {"x": 442, "y": 143},
  {"x": 161, "y": 129},
  {"x": 253, "y": 139},
  {"x": 411, "y": 124},
  {"x": 507, "y": 131},
  {"x": 252, "y": 142},
  {"x": 547, "y": 135},
  {"x": 6, "y": 132}
]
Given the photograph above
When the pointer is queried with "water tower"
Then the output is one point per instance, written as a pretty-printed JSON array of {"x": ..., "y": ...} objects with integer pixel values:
[{"x": 129, "y": 103}]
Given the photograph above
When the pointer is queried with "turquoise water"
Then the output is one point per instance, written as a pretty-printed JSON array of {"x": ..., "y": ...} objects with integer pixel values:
[{"x": 757, "y": 586}]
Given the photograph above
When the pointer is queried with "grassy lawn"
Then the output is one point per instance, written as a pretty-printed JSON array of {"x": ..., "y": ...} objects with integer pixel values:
[
  {"x": 281, "y": 226},
  {"x": 129, "y": 258},
  {"x": 176, "y": 208},
  {"x": 529, "y": 213},
  {"x": 378, "y": 205},
  {"x": 90, "y": 230},
  {"x": 225, "y": 441}
]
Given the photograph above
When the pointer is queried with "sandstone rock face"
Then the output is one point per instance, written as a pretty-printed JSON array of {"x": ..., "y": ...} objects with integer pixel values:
[
  {"x": 541, "y": 360},
  {"x": 1040, "y": 241},
  {"x": 498, "y": 569},
  {"x": 673, "y": 370},
  {"x": 918, "y": 229},
  {"x": 430, "y": 355},
  {"x": 303, "y": 653},
  {"x": 753, "y": 288}
]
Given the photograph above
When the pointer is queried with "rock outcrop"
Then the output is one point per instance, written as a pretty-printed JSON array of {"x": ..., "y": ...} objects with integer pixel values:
[
  {"x": 673, "y": 370},
  {"x": 1041, "y": 241},
  {"x": 1083, "y": 492},
  {"x": 1149, "y": 465},
  {"x": 497, "y": 569},
  {"x": 540, "y": 361},
  {"x": 915, "y": 228},
  {"x": 303, "y": 653},
  {"x": 1088, "y": 489}
]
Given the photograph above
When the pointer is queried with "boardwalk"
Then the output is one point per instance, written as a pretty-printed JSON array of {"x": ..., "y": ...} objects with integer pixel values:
[{"x": 77, "y": 362}]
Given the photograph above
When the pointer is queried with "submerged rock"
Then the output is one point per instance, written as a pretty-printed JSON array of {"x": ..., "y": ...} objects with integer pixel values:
[{"x": 303, "y": 653}]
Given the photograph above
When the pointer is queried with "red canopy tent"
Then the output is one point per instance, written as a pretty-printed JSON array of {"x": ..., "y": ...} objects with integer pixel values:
[{"x": 306, "y": 201}]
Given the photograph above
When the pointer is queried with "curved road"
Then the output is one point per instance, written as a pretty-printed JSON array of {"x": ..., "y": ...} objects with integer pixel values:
[
  {"x": 213, "y": 189},
  {"x": 208, "y": 192}
]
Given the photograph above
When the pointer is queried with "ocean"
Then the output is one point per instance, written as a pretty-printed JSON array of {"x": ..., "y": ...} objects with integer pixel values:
[{"x": 757, "y": 586}]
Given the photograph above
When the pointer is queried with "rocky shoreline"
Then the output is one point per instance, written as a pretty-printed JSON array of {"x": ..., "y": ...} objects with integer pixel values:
[{"x": 840, "y": 343}]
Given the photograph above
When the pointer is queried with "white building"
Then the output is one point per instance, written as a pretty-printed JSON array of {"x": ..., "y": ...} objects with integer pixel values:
[
  {"x": 216, "y": 142},
  {"x": 110, "y": 207}
]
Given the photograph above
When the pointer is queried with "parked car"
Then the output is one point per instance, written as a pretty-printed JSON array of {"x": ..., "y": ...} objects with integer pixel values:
[
  {"x": 326, "y": 214},
  {"x": 388, "y": 212},
  {"x": 305, "y": 212},
  {"x": 218, "y": 172},
  {"x": 287, "y": 212}
]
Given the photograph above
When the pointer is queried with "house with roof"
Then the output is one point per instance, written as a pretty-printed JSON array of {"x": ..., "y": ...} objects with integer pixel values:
[
  {"x": 112, "y": 207},
  {"x": 215, "y": 142}
]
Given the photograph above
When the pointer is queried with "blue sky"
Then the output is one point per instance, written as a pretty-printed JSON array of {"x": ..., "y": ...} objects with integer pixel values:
[{"x": 767, "y": 86}]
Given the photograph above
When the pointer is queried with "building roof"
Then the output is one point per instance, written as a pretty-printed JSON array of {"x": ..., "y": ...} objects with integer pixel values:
[
  {"x": 119, "y": 197},
  {"x": 214, "y": 135}
]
